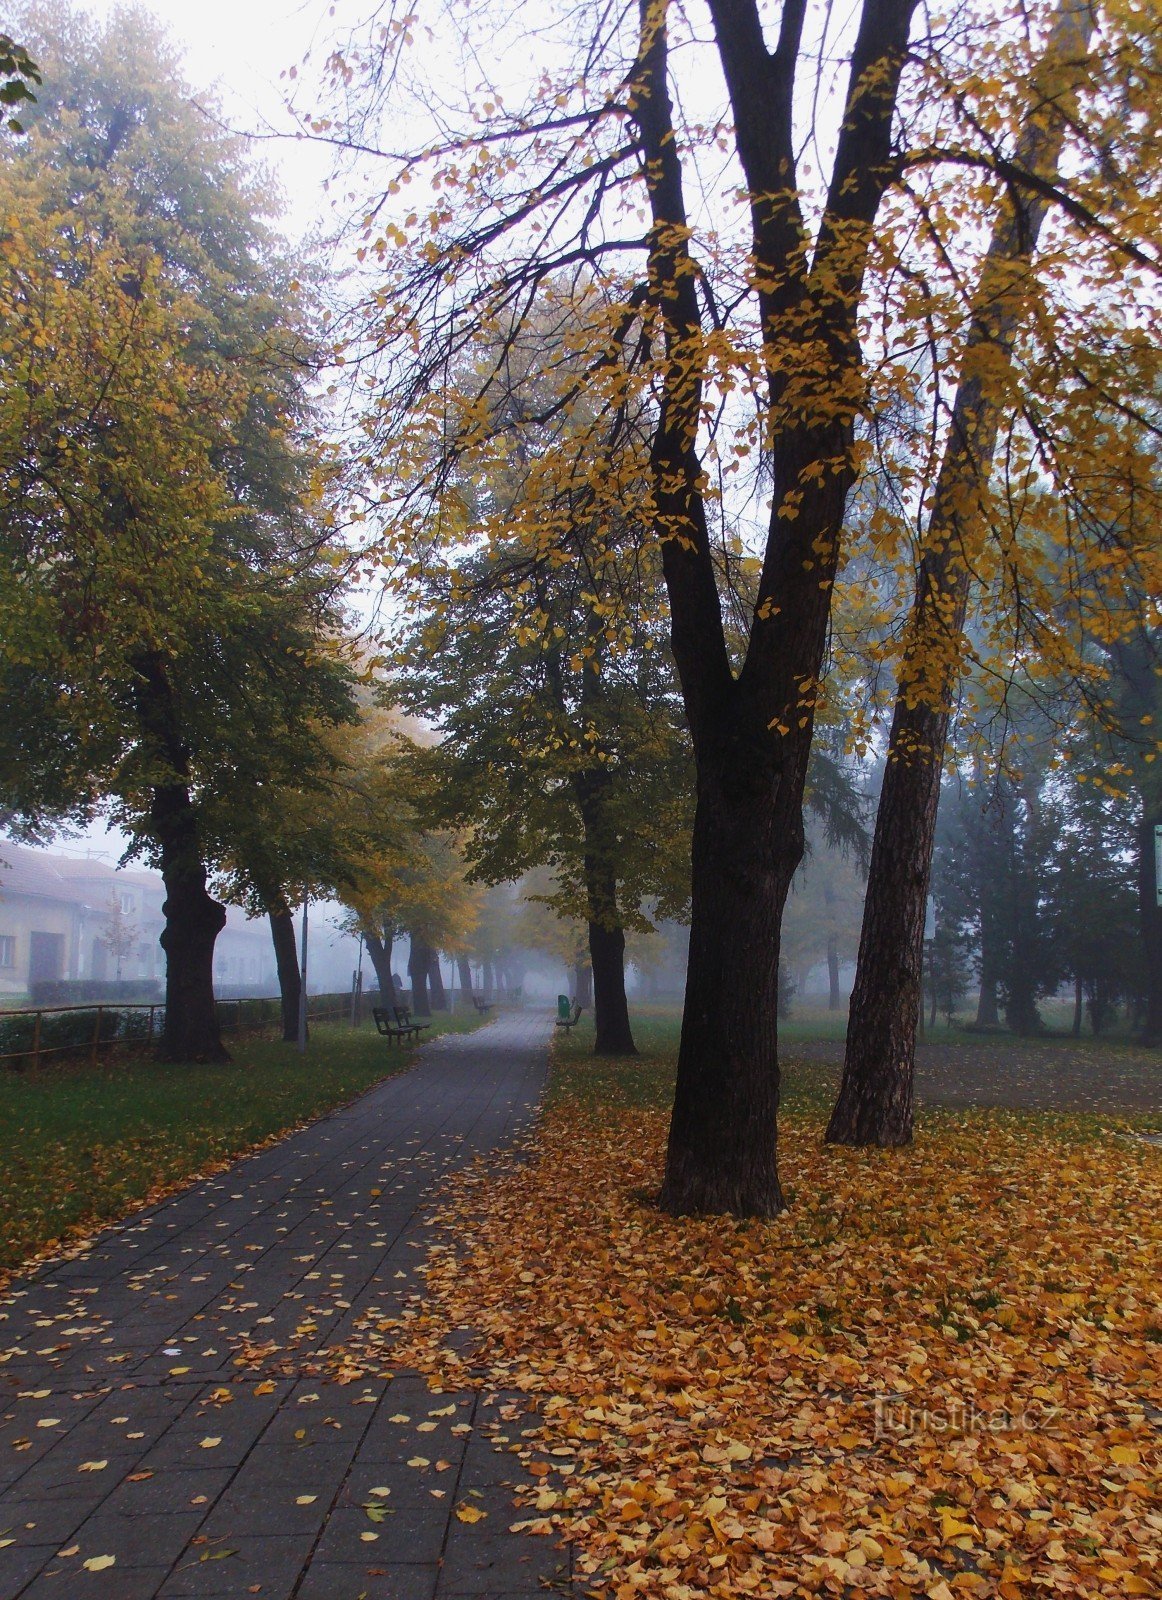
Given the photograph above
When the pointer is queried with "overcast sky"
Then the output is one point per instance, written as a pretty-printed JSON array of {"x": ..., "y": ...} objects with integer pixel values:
[{"x": 242, "y": 47}]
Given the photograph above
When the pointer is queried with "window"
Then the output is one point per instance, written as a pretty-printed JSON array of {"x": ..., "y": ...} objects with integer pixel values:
[
  {"x": 7, "y": 950},
  {"x": 127, "y": 903}
]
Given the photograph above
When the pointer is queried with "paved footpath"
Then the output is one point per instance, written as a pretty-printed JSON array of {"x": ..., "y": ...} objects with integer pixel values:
[{"x": 127, "y": 1429}]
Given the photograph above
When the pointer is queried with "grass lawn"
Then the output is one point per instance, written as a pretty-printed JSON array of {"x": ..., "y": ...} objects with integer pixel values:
[
  {"x": 935, "y": 1376},
  {"x": 82, "y": 1145}
]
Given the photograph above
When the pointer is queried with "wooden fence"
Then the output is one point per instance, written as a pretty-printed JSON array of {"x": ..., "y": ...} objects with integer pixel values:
[{"x": 30, "y": 1035}]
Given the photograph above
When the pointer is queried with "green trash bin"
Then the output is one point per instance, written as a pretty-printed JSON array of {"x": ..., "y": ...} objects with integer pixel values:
[{"x": 564, "y": 1007}]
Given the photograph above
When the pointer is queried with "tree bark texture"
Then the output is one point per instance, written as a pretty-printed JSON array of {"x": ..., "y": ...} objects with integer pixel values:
[
  {"x": 193, "y": 919},
  {"x": 875, "y": 1098},
  {"x": 583, "y": 983}
]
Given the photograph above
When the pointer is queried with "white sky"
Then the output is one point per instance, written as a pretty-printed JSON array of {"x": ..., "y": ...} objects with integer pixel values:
[{"x": 241, "y": 47}]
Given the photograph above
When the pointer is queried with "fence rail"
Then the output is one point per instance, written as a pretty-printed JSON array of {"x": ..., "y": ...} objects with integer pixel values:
[{"x": 28, "y": 1036}]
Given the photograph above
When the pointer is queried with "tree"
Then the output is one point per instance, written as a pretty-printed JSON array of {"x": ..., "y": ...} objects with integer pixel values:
[
  {"x": 1092, "y": 898},
  {"x": 169, "y": 592},
  {"x": 561, "y": 744},
  {"x": 725, "y": 347},
  {"x": 1137, "y": 692},
  {"x": 119, "y": 936},
  {"x": 875, "y": 1098}
]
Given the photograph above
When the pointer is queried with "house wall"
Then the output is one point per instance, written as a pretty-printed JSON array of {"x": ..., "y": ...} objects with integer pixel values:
[{"x": 20, "y": 918}]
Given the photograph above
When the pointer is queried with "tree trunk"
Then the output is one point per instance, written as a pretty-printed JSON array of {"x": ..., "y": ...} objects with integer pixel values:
[
  {"x": 1078, "y": 1004},
  {"x": 465, "y": 972},
  {"x": 606, "y": 934},
  {"x": 193, "y": 919},
  {"x": 489, "y": 981},
  {"x": 436, "y": 981},
  {"x": 583, "y": 982},
  {"x": 875, "y": 1099},
  {"x": 751, "y": 727},
  {"x": 290, "y": 979},
  {"x": 722, "y": 1154},
  {"x": 987, "y": 1013},
  {"x": 833, "y": 996},
  {"x": 418, "y": 960},
  {"x": 610, "y": 1007},
  {"x": 379, "y": 952}
]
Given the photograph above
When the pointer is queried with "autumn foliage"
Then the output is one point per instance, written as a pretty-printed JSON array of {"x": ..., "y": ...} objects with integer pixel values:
[{"x": 934, "y": 1375}]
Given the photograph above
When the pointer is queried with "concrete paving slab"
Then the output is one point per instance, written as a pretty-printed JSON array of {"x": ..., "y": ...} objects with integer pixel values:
[{"x": 134, "y": 1424}]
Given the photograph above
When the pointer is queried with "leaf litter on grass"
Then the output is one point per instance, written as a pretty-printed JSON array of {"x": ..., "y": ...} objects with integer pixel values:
[{"x": 937, "y": 1374}]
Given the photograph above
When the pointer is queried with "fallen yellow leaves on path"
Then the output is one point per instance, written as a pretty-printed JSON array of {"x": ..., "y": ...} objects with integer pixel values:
[{"x": 937, "y": 1374}]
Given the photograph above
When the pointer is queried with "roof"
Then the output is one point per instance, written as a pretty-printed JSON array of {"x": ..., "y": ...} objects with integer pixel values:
[{"x": 73, "y": 880}]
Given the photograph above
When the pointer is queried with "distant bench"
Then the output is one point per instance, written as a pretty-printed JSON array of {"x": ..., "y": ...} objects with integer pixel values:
[
  {"x": 571, "y": 1021},
  {"x": 483, "y": 1006},
  {"x": 401, "y": 1028}
]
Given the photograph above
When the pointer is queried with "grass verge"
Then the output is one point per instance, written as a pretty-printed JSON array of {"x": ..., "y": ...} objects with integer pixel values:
[{"x": 83, "y": 1145}]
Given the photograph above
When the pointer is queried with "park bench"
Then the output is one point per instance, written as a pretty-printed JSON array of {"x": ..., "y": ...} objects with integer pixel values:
[
  {"x": 571, "y": 1020},
  {"x": 397, "y": 1030},
  {"x": 483, "y": 1006},
  {"x": 403, "y": 1019}
]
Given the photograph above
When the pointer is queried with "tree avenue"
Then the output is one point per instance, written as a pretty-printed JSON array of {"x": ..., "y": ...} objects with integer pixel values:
[{"x": 168, "y": 604}]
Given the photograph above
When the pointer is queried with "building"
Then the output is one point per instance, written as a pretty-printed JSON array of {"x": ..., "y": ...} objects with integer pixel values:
[{"x": 70, "y": 917}]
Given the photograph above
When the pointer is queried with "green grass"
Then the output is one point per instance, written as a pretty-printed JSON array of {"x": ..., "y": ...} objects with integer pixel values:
[
  {"x": 82, "y": 1145},
  {"x": 647, "y": 1079}
]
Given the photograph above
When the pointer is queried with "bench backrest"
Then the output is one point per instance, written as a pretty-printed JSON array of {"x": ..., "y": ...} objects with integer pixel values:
[{"x": 403, "y": 1016}]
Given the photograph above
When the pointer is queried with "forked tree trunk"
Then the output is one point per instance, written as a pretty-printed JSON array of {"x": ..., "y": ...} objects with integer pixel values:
[
  {"x": 418, "y": 960},
  {"x": 751, "y": 728},
  {"x": 379, "y": 953},
  {"x": 286, "y": 958},
  {"x": 875, "y": 1098}
]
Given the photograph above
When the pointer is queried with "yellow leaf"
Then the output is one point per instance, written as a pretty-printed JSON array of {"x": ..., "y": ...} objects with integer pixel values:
[{"x": 470, "y": 1513}]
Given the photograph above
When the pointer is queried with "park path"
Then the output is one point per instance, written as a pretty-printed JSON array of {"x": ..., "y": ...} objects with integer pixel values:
[{"x": 128, "y": 1430}]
